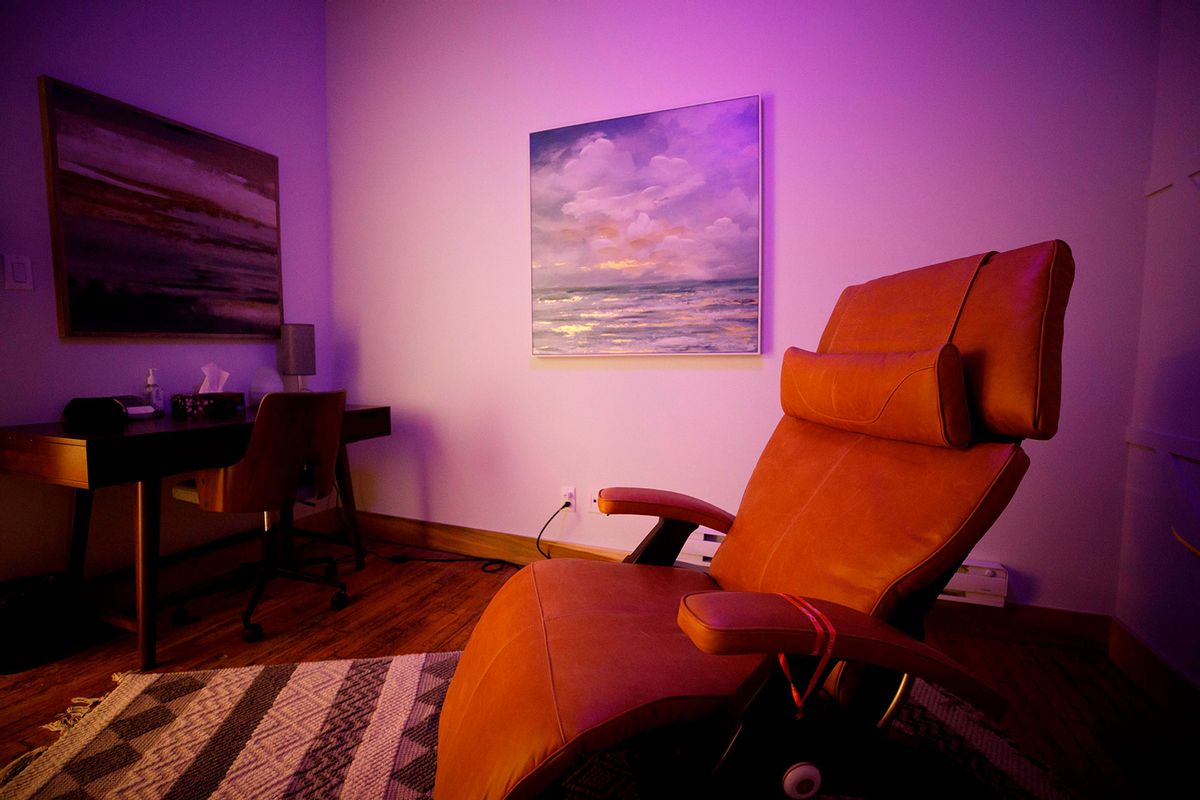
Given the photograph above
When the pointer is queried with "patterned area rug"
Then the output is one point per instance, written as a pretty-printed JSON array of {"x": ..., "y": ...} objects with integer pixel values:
[
  {"x": 961, "y": 738},
  {"x": 359, "y": 728},
  {"x": 363, "y": 728}
]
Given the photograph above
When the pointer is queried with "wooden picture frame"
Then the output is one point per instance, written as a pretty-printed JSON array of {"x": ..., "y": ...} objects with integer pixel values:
[{"x": 159, "y": 229}]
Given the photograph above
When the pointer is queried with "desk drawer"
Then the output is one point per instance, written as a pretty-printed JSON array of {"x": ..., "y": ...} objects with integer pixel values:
[{"x": 57, "y": 462}]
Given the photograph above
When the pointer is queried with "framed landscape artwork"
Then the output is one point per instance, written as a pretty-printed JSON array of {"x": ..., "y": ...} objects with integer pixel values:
[
  {"x": 646, "y": 233},
  {"x": 159, "y": 229}
]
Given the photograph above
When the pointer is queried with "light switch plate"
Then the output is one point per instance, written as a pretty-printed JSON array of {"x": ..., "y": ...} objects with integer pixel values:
[{"x": 18, "y": 272}]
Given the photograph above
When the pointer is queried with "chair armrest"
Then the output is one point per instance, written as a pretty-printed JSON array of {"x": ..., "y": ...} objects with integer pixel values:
[
  {"x": 678, "y": 515},
  {"x": 659, "y": 503},
  {"x": 735, "y": 623}
]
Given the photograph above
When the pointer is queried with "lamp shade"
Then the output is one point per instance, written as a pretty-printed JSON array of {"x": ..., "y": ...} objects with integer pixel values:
[{"x": 297, "y": 349}]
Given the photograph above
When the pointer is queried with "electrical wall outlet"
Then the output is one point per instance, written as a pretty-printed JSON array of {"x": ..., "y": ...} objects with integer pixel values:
[{"x": 568, "y": 496}]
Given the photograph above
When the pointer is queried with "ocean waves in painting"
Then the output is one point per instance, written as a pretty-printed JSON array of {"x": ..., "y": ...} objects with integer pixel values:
[
  {"x": 165, "y": 262},
  {"x": 687, "y": 317}
]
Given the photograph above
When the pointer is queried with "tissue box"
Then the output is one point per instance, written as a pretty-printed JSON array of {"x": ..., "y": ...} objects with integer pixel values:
[{"x": 210, "y": 404}]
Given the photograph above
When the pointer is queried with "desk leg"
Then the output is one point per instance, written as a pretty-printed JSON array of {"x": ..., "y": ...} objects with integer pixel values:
[
  {"x": 149, "y": 507},
  {"x": 346, "y": 490},
  {"x": 81, "y": 520}
]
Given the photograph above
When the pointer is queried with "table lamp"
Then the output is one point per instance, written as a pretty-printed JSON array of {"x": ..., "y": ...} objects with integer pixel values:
[{"x": 297, "y": 353}]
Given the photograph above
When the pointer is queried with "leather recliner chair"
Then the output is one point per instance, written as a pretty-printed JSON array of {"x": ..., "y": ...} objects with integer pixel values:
[{"x": 898, "y": 448}]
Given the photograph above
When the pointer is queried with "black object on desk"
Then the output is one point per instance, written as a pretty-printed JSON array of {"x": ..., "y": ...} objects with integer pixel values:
[
  {"x": 143, "y": 452},
  {"x": 92, "y": 413}
]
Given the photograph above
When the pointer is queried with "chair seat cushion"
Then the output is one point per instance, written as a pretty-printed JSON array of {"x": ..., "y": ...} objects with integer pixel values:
[{"x": 571, "y": 657}]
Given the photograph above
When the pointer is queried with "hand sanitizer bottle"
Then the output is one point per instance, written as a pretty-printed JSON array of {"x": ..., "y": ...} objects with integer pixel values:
[{"x": 153, "y": 392}]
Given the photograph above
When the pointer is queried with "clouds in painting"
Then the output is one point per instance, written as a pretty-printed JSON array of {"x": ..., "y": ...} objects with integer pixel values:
[{"x": 649, "y": 199}]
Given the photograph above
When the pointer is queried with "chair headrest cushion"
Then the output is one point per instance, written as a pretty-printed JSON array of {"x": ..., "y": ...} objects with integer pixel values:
[
  {"x": 913, "y": 397},
  {"x": 1004, "y": 312}
]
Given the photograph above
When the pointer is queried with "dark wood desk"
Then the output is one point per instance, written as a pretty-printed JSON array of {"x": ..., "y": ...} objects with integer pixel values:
[{"x": 143, "y": 452}]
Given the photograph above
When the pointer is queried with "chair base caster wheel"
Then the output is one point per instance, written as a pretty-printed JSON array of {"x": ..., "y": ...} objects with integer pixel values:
[
  {"x": 252, "y": 633},
  {"x": 339, "y": 601},
  {"x": 801, "y": 781},
  {"x": 331, "y": 570}
]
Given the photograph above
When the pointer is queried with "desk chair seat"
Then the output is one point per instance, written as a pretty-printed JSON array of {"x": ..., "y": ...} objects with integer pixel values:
[
  {"x": 290, "y": 458},
  {"x": 899, "y": 446}
]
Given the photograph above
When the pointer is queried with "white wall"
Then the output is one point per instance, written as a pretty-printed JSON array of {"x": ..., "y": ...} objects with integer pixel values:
[
  {"x": 896, "y": 135},
  {"x": 250, "y": 72},
  {"x": 1159, "y": 587}
]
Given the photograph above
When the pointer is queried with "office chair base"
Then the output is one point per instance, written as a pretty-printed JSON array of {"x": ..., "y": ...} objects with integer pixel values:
[{"x": 252, "y": 631}]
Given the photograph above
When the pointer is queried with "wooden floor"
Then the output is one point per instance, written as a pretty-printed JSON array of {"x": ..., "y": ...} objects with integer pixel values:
[
  {"x": 1069, "y": 707},
  {"x": 1072, "y": 709}
]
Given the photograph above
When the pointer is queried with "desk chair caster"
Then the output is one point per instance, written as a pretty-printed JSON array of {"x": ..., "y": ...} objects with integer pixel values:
[{"x": 253, "y": 632}]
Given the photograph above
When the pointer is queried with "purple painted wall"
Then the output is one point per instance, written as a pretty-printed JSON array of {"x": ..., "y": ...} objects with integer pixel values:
[
  {"x": 896, "y": 135},
  {"x": 251, "y": 72}
]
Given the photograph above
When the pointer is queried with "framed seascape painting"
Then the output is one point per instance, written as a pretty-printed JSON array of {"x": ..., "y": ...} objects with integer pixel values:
[
  {"x": 159, "y": 229},
  {"x": 646, "y": 233}
]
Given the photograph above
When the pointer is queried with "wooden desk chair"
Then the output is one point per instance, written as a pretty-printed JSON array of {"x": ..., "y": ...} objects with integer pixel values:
[{"x": 291, "y": 457}]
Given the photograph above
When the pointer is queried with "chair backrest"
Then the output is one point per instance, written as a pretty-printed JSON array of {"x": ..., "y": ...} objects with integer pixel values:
[
  {"x": 294, "y": 442},
  {"x": 900, "y": 440}
]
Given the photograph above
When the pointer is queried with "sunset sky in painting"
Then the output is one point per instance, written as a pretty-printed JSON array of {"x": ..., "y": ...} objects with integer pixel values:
[{"x": 653, "y": 198}]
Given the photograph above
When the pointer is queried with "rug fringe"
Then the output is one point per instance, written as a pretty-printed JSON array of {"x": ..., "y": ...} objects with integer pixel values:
[
  {"x": 82, "y": 705},
  {"x": 70, "y": 718},
  {"x": 60, "y": 725}
]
